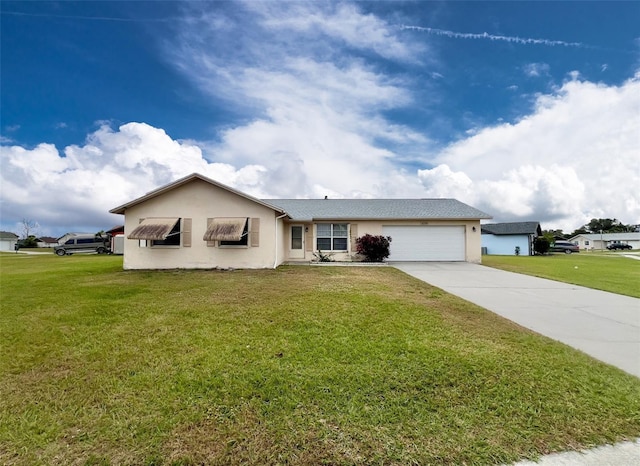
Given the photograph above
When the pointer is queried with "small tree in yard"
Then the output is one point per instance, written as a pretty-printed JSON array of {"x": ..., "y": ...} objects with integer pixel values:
[
  {"x": 541, "y": 245},
  {"x": 373, "y": 248}
]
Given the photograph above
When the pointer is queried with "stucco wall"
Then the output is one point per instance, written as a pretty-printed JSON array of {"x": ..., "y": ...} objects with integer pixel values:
[
  {"x": 505, "y": 245},
  {"x": 198, "y": 201},
  {"x": 362, "y": 227},
  {"x": 8, "y": 244}
]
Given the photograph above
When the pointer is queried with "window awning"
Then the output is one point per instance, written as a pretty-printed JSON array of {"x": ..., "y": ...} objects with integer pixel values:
[
  {"x": 154, "y": 228},
  {"x": 225, "y": 229}
]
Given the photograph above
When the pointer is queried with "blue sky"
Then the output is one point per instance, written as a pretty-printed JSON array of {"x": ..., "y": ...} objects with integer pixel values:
[{"x": 526, "y": 110}]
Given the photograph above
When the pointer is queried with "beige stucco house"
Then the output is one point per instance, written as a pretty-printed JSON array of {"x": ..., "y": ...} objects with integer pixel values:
[{"x": 196, "y": 222}]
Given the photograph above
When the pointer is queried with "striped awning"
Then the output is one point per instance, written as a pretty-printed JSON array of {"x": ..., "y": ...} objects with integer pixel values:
[
  {"x": 225, "y": 229},
  {"x": 157, "y": 228}
]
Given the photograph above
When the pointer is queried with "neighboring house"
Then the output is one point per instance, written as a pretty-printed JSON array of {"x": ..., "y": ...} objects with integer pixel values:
[
  {"x": 117, "y": 230},
  {"x": 196, "y": 222},
  {"x": 503, "y": 238},
  {"x": 598, "y": 242},
  {"x": 116, "y": 245},
  {"x": 47, "y": 242},
  {"x": 8, "y": 241}
]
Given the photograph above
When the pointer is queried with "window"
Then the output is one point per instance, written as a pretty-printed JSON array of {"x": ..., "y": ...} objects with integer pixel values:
[
  {"x": 586, "y": 243},
  {"x": 172, "y": 239},
  {"x": 244, "y": 239},
  {"x": 86, "y": 240},
  {"x": 332, "y": 236}
]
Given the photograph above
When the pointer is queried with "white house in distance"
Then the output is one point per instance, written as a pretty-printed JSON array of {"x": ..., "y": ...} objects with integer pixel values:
[
  {"x": 196, "y": 222},
  {"x": 8, "y": 241},
  {"x": 598, "y": 242},
  {"x": 503, "y": 238}
]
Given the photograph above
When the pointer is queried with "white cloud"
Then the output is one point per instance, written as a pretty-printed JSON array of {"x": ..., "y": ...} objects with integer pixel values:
[
  {"x": 534, "y": 70},
  {"x": 574, "y": 158},
  {"x": 75, "y": 190},
  {"x": 343, "y": 22}
]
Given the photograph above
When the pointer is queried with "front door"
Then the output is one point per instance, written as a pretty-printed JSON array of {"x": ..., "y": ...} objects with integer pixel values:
[{"x": 296, "y": 246}]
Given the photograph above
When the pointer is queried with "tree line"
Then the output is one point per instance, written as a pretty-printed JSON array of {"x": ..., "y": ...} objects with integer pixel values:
[{"x": 596, "y": 225}]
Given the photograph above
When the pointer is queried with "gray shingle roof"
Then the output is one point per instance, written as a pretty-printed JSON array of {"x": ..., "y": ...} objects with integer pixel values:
[
  {"x": 8, "y": 235},
  {"x": 512, "y": 228},
  {"x": 376, "y": 209}
]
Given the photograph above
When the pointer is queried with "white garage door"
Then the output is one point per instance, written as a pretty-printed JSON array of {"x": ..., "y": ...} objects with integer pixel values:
[{"x": 426, "y": 243}]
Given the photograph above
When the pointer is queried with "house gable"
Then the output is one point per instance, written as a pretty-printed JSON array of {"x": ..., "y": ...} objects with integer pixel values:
[
  {"x": 169, "y": 228},
  {"x": 183, "y": 181}
]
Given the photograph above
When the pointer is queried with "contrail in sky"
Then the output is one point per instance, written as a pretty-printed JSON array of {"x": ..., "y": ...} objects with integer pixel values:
[{"x": 487, "y": 36}]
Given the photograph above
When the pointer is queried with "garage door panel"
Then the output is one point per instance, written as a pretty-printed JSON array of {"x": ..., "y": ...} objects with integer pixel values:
[{"x": 426, "y": 243}]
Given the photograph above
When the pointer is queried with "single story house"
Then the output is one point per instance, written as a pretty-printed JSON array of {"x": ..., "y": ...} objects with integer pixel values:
[
  {"x": 117, "y": 239},
  {"x": 8, "y": 241},
  {"x": 598, "y": 241},
  {"x": 504, "y": 238},
  {"x": 47, "y": 242},
  {"x": 196, "y": 222}
]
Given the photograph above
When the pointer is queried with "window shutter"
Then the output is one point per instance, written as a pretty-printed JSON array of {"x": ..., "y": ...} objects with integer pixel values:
[
  {"x": 354, "y": 235},
  {"x": 308, "y": 240},
  {"x": 210, "y": 244},
  {"x": 254, "y": 232},
  {"x": 186, "y": 232},
  {"x": 142, "y": 243}
]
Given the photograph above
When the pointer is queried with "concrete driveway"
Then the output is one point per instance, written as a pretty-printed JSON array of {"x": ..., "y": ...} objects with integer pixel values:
[{"x": 603, "y": 325}]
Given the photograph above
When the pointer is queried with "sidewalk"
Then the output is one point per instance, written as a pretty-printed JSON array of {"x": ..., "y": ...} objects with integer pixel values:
[{"x": 621, "y": 454}]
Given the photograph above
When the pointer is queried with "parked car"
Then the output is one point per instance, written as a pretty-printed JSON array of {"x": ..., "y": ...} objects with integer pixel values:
[
  {"x": 614, "y": 246},
  {"x": 564, "y": 246},
  {"x": 83, "y": 243}
]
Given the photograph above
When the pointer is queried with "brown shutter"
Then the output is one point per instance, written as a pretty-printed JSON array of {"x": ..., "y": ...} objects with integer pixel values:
[
  {"x": 210, "y": 244},
  {"x": 255, "y": 232},
  {"x": 308, "y": 240},
  {"x": 354, "y": 235},
  {"x": 186, "y": 232}
]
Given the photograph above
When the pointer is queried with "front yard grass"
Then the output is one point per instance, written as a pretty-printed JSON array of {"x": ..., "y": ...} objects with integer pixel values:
[
  {"x": 602, "y": 271},
  {"x": 299, "y": 366}
]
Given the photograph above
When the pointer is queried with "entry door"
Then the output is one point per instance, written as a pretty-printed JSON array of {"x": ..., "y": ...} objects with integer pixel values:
[{"x": 296, "y": 247}]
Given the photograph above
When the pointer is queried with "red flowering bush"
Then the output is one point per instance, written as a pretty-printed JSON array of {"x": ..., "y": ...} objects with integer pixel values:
[{"x": 373, "y": 248}]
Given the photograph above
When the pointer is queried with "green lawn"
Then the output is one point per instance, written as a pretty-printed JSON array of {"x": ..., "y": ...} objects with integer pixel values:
[
  {"x": 298, "y": 366},
  {"x": 609, "y": 271}
]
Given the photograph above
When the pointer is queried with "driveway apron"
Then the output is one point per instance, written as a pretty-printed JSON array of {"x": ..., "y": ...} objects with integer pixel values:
[{"x": 601, "y": 324}]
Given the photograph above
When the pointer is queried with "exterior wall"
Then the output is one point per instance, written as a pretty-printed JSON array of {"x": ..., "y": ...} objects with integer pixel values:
[
  {"x": 359, "y": 228},
  {"x": 8, "y": 244},
  {"x": 42, "y": 244},
  {"x": 586, "y": 244},
  {"x": 505, "y": 245},
  {"x": 596, "y": 242},
  {"x": 199, "y": 200}
]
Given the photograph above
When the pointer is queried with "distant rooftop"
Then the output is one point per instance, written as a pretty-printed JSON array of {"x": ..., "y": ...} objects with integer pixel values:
[
  {"x": 512, "y": 228},
  {"x": 7, "y": 235},
  {"x": 631, "y": 236}
]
